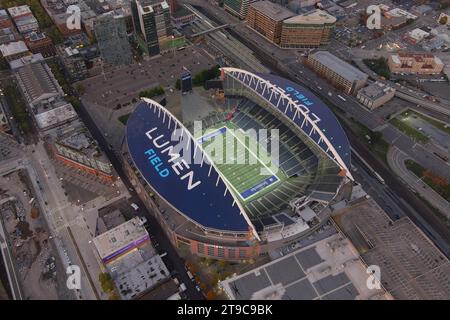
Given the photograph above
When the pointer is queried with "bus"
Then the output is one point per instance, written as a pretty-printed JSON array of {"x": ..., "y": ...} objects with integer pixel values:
[{"x": 341, "y": 97}]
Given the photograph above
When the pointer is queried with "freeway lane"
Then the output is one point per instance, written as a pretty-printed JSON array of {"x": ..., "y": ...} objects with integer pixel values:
[
  {"x": 174, "y": 262},
  {"x": 412, "y": 206}
]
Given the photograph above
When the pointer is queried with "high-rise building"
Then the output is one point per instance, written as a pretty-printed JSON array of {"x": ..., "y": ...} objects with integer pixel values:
[
  {"x": 238, "y": 8},
  {"x": 173, "y": 5},
  {"x": 267, "y": 18},
  {"x": 310, "y": 30},
  {"x": 151, "y": 19},
  {"x": 111, "y": 33}
]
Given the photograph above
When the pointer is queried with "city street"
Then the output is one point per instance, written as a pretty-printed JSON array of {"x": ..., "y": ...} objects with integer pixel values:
[
  {"x": 173, "y": 261},
  {"x": 396, "y": 160}
]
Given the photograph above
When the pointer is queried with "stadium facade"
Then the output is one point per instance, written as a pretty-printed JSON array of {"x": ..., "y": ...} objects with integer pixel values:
[{"x": 230, "y": 211}]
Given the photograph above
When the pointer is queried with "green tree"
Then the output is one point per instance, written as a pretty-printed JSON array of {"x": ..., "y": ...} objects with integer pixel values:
[
  {"x": 80, "y": 88},
  {"x": 443, "y": 20},
  {"x": 106, "y": 282},
  {"x": 3, "y": 64},
  {"x": 157, "y": 91},
  {"x": 205, "y": 75}
]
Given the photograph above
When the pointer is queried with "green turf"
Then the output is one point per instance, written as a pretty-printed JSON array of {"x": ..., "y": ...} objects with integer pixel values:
[
  {"x": 410, "y": 131},
  {"x": 241, "y": 160}
]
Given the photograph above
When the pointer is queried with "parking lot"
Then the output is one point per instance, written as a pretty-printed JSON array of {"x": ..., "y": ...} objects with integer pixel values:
[{"x": 118, "y": 87}]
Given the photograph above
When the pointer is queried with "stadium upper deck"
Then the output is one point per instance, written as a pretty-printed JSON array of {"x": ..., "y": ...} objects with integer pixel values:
[{"x": 314, "y": 155}]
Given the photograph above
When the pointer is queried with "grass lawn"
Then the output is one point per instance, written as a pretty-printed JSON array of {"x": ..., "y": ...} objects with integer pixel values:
[
  {"x": 410, "y": 131},
  {"x": 438, "y": 124},
  {"x": 124, "y": 118},
  {"x": 435, "y": 182}
]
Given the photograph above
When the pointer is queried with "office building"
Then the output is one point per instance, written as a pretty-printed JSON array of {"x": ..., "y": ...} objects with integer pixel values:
[
  {"x": 310, "y": 30},
  {"x": 266, "y": 18},
  {"x": 110, "y": 31},
  {"x": 375, "y": 95},
  {"x": 415, "y": 63},
  {"x": 40, "y": 43},
  {"x": 342, "y": 75},
  {"x": 173, "y": 6},
  {"x": 151, "y": 19},
  {"x": 239, "y": 8}
]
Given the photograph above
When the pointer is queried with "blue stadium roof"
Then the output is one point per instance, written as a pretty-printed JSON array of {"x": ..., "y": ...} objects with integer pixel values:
[
  {"x": 316, "y": 110},
  {"x": 328, "y": 123},
  {"x": 205, "y": 198}
]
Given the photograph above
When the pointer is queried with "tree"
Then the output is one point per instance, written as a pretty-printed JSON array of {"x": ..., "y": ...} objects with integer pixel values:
[
  {"x": 178, "y": 84},
  {"x": 3, "y": 64},
  {"x": 157, "y": 91},
  {"x": 211, "y": 295},
  {"x": 80, "y": 88},
  {"x": 106, "y": 282},
  {"x": 443, "y": 20}
]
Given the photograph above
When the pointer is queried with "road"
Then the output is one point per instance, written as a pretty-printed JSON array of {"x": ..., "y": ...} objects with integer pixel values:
[
  {"x": 406, "y": 200},
  {"x": 413, "y": 207},
  {"x": 396, "y": 160},
  {"x": 409, "y": 95},
  {"x": 172, "y": 259},
  {"x": 289, "y": 65}
]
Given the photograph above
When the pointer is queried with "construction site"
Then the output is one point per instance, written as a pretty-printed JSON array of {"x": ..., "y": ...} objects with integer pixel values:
[{"x": 38, "y": 273}]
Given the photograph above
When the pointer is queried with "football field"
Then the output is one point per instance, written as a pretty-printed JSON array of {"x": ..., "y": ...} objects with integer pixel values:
[{"x": 242, "y": 161}]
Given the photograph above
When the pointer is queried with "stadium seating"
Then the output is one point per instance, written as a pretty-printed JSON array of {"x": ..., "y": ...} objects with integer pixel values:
[{"x": 307, "y": 175}]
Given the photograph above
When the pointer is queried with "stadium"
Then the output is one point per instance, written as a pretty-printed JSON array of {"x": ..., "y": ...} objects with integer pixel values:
[{"x": 258, "y": 174}]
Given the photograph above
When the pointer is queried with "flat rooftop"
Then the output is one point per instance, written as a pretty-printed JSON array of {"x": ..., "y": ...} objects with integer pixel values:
[
  {"x": 141, "y": 278},
  {"x": 375, "y": 90},
  {"x": 412, "y": 267},
  {"x": 12, "y": 48},
  {"x": 339, "y": 66},
  {"x": 19, "y": 11},
  {"x": 75, "y": 142},
  {"x": 272, "y": 10},
  {"x": 316, "y": 16},
  {"x": 120, "y": 237},
  {"x": 329, "y": 269},
  {"x": 58, "y": 113}
]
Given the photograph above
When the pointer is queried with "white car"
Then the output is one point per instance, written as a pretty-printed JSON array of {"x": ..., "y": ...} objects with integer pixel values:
[{"x": 134, "y": 206}]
